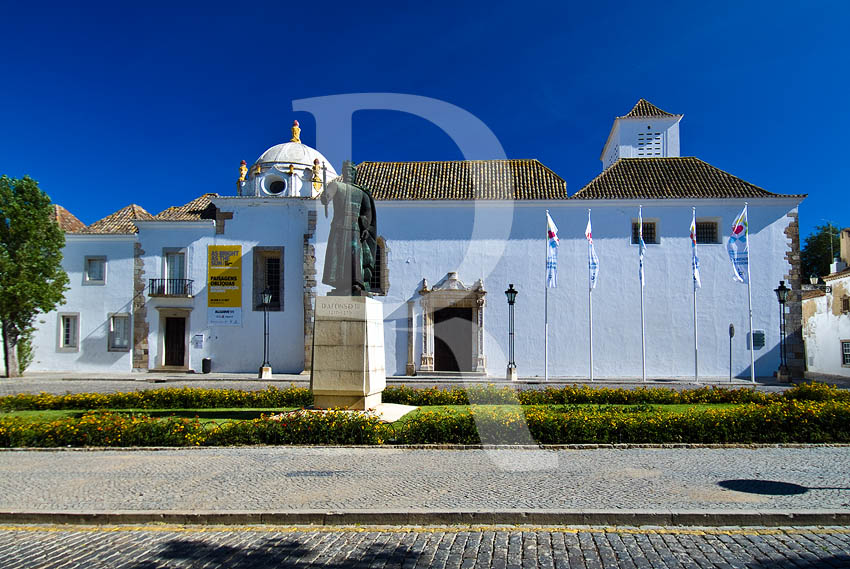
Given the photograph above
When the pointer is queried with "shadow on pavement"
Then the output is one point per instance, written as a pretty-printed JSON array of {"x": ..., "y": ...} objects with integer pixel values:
[
  {"x": 278, "y": 553},
  {"x": 771, "y": 487}
]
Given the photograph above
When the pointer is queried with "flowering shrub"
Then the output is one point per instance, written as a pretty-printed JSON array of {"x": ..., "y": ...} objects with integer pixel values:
[
  {"x": 169, "y": 398},
  {"x": 582, "y": 394},
  {"x": 777, "y": 422}
]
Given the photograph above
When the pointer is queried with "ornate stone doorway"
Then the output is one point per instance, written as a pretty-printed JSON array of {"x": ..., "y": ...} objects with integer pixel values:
[{"x": 453, "y": 326}]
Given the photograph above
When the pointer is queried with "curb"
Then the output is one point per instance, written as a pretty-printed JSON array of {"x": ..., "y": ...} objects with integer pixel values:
[
  {"x": 446, "y": 446},
  {"x": 702, "y": 518}
]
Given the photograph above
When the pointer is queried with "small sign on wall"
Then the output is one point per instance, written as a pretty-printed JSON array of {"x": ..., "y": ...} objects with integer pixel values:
[
  {"x": 198, "y": 341},
  {"x": 758, "y": 340}
]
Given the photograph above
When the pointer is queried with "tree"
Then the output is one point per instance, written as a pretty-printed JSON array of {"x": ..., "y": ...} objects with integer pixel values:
[
  {"x": 31, "y": 276},
  {"x": 816, "y": 255}
]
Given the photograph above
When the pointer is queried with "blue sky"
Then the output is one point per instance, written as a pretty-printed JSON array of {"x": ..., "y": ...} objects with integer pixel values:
[{"x": 155, "y": 103}]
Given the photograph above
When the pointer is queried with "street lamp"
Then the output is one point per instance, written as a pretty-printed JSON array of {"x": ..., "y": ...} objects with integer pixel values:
[
  {"x": 265, "y": 300},
  {"x": 511, "y": 294},
  {"x": 782, "y": 296}
]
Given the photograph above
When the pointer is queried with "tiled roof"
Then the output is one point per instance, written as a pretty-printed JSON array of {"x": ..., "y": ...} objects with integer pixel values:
[
  {"x": 120, "y": 222},
  {"x": 644, "y": 108},
  {"x": 188, "y": 212},
  {"x": 67, "y": 221},
  {"x": 669, "y": 178},
  {"x": 461, "y": 180},
  {"x": 838, "y": 275},
  {"x": 809, "y": 294}
]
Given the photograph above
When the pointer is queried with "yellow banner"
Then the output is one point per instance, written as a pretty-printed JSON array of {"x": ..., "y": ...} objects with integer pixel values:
[{"x": 224, "y": 283}]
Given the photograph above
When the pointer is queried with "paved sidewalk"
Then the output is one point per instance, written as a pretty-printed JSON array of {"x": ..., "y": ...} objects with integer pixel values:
[
  {"x": 76, "y": 382},
  {"x": 737, "y": 486}
]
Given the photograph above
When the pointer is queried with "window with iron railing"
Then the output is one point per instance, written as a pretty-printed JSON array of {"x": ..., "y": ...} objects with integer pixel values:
[{"x": 170, "y": 287}]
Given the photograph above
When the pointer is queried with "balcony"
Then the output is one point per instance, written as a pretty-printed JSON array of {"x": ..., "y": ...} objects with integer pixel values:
[{"x": 171, "y": 287}]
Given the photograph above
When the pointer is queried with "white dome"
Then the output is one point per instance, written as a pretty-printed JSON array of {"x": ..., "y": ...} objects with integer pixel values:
[{"x": 294, "y": 153}]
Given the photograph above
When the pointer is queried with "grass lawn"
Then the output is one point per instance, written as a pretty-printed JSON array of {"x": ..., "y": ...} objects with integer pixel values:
[{"x": 246, "y": 414}]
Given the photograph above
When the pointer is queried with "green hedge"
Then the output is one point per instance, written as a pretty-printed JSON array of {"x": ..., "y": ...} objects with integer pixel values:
[
  {"x": 168, "y": 398},
  {"x": 784, "y": 421},
  {"x": 492, "y": 395},
  {"x": 272, "y": 397}
]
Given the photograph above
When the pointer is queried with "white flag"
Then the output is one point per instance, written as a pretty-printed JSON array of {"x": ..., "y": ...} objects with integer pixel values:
[
  {"x": 694, "y": 258},
  {"x": 592, "y": 260},
  {"x": 551, "y": 252},
  {"x": 642, "y": 244},
  {"x": 738, "y": 247}
]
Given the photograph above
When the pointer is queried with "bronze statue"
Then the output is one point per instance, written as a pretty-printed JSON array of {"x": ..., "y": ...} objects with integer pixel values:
[{"x": 352, "y": 243}]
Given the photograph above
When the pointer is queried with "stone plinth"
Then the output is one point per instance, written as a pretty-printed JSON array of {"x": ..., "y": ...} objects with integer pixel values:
[{"x": 348, "y": 352}]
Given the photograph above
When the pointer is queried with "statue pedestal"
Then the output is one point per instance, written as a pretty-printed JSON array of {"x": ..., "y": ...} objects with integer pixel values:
[{"x": 348, "y": 353}]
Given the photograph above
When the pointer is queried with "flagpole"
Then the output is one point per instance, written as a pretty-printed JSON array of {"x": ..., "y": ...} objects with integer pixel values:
[
  {"x": 694, "y": 278},
  {"x": 546, "y": 306},
  {"x": 750, "y": 299},
  {"x": 590, "y": 299},
  {"x": 642, "y": 323}
]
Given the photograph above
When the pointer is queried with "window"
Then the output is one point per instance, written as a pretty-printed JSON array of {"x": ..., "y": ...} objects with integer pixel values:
[
  {"x": 649, "y": 233},
  {"x": 174, "y": 281},
  {"x": 845, "y": 304},
  {"x": 379, "y": 282},
  {"x": 268, "y": 273},
  {"x": 845, "y": 353},
  {"x": 175, "y": 265},
  {"x": 707, "y": 232},
  {"x": 69, "y": 332},
  {"x": 119, "y": 333},
  {"x": 95, "y": 270}
]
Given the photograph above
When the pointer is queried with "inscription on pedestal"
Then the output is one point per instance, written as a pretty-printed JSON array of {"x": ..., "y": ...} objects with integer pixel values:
[{"x": 348, "y": 354}]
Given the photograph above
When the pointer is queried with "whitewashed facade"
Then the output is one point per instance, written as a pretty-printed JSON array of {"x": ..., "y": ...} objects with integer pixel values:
[{"x": 452, "y": 237}]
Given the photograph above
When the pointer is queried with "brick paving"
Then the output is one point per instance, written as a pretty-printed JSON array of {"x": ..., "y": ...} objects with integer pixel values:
[
  {"x": 153, "y": 547},
  {"x": 369, "y": 479}
]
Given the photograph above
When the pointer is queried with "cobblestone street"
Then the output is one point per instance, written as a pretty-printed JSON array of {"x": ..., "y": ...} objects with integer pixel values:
[
  {"x": 289, "y": 479},
  {"x": 154, "y": 547}
]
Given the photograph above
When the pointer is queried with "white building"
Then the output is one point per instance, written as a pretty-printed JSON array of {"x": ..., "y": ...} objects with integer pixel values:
[
  {"x": 453, "y": 235},
  {"x": 826, "y": 318}
]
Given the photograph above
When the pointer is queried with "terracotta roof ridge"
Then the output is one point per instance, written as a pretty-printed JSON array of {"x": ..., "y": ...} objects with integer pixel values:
[
  {"x": 645, "y": 109},
  {"x": 450, "y": 161}
]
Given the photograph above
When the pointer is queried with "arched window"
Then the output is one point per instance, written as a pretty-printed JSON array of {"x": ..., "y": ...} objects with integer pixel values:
[{"x": 379, "y": 284}]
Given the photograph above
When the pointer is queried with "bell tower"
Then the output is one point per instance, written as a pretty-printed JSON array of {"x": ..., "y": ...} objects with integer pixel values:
[{"x": 644, "y": 132}]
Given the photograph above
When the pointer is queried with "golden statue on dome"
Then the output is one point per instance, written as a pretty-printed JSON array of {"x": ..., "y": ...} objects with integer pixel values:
[
  {"x": 317, "y": 181},
  {"x": 296, "y": 132},
  {"x": 243, "y": 171}
]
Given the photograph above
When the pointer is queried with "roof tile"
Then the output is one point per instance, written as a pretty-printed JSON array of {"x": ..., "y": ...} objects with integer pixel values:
[
  {"x": 120, "y": 222},
  {"x": 645, "y": 109},
  {"x": 461, "y": 180},
  {"x": 67, "y": 221},
  {"x": 191, "y": 211},
  {"x": 669, "y": 178}
]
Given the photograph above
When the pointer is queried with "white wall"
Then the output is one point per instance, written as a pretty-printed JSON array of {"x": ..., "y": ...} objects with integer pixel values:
[
  {"x": 623, "y": 139},
  {"x": 270, "y": 222},
  {"x": 824, "y": 327},
  {"x": 93, "y": 302},
  {"x": 427, "y": 240}
]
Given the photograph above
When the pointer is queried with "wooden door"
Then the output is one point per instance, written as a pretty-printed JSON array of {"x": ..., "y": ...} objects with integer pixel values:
[{"x": 175, "y": 341}]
